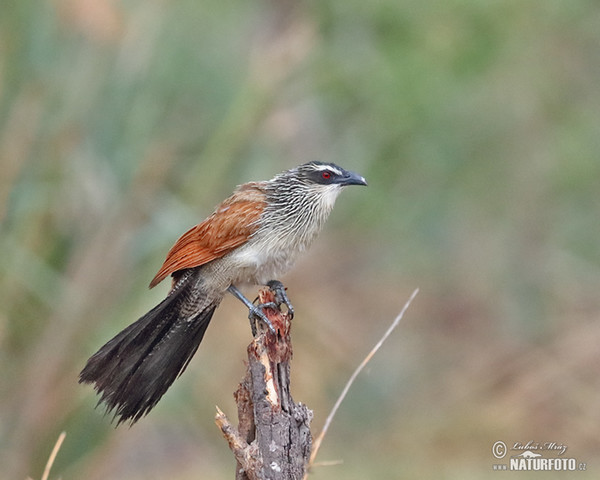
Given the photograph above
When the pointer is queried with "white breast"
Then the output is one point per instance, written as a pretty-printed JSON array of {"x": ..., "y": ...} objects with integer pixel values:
[{"x": 267, "y": 255}]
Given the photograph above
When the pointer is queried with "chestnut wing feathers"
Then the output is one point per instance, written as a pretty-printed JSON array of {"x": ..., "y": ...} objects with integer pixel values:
[{"x": 232, "y": 223}]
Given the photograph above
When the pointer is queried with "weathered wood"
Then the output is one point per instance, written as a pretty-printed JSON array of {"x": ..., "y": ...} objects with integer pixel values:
[{"x": 273, "y": 439}]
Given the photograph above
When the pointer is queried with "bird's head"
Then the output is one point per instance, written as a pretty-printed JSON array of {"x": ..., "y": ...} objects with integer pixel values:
[
  {"x": 323, "y": 182},
  {"x": 326, "y": 175},
  {"x": 311, "y": 187}
]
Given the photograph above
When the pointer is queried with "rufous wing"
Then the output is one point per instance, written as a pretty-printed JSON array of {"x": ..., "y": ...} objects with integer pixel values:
[{"x": 230, "y": 226}]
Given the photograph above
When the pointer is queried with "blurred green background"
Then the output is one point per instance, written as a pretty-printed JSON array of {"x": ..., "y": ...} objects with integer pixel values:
[{"x": 477, "y": 125}]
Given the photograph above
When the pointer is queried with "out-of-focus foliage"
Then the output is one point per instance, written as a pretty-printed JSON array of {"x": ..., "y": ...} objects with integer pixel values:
[{"x": 477, "y": 125}]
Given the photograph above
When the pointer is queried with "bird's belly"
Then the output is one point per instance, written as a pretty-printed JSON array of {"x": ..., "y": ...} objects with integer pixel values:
[{"x": 258, "y": 265}]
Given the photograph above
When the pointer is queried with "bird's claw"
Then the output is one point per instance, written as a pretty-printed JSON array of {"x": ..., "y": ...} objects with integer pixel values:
[
  {"x": 281, "y": 296},
  {"x": 256, "y": 312}
]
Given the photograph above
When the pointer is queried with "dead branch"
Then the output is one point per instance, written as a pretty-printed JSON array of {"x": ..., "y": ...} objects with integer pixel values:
[
  {"x": 350, "y": 381},
  {"x": 273, "y": 439}
]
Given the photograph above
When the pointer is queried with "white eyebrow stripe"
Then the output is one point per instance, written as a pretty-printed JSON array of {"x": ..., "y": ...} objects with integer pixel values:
[{"x": 328, "y": 167}]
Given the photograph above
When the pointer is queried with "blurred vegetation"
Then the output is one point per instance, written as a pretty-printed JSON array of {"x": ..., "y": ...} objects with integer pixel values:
[{"x": 477, "y": 126}]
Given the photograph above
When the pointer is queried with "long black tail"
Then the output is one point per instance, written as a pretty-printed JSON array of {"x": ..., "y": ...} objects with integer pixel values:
[{"x": 134, "y": 369}]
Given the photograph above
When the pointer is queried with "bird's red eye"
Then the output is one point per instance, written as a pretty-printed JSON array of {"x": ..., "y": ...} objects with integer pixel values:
[{"x": 326, "y": 175}]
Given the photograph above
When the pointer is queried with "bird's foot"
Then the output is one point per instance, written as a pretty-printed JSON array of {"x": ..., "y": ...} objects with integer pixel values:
[
  {"x": 256, "y": 312},
  {"x": 281, "y": 297}
]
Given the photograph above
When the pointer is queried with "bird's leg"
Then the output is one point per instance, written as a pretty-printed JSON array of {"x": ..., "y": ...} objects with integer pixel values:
[
  {"x": 281, "y": 296},
  {"x": 254, "y": 311}
]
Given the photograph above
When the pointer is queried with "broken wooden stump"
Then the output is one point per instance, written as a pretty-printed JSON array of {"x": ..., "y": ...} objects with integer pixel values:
[{"x": 273, "y": 439}]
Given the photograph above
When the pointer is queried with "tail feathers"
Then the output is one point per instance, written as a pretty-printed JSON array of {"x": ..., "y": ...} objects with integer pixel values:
[{"x": 134, "y": 369}]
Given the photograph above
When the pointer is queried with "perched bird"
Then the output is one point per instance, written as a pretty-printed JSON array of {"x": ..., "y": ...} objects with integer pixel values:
[{"x": 251, "y": 238}]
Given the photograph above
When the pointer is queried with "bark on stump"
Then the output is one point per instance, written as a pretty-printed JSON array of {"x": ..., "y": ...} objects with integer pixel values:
[{"x": 272, "y": 440}]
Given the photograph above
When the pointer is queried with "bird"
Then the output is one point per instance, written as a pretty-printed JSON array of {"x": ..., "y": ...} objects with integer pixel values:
[{"x": 251, "y": 238}]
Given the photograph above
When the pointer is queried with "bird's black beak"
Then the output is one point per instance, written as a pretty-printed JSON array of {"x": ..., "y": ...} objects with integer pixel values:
[{"x": 351, "y": 178}]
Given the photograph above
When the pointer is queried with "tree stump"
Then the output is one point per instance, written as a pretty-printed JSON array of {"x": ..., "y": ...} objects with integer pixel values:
[{"x": 273, "y": 439}]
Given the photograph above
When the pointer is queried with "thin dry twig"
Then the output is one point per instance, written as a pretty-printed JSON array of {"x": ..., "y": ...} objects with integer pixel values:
[
  {"x": 367, "y": 359},
  {"x": 53, "y": 455}
]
